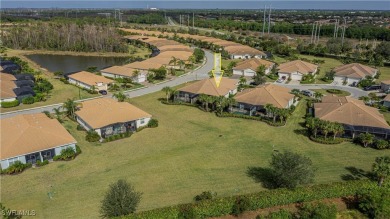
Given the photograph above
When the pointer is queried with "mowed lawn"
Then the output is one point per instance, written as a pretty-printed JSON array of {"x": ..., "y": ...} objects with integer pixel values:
[{"x": 191, "y": 151}]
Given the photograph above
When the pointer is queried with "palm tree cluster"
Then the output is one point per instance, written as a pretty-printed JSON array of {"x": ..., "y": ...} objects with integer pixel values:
[
  {"x": 70, "y": 107},
  {"x": 317, "y": 126},
  {"x": 169, "y": 92},
  {"x": 218, "y": 103},
  {"x": 276, "y": 112}
]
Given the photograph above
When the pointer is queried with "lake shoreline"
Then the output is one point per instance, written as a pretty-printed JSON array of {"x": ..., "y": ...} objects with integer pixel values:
[{"x": 15, "y": 52}]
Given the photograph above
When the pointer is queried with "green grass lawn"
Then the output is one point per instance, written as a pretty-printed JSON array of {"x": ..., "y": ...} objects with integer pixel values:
[
  {"x": 325, "y": 92},
  {"x": 385, "y": 74}
]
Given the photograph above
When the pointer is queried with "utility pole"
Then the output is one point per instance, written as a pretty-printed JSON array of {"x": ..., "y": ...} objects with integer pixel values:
[
  {"x": 334, "y": 31},
  {"x": 319, "y": 29},
  {"x": 193, "y": 20},
  {"x": 315, "y": 32},
  {"x": 312, "y": 34},
  {"x": 265, "y": 8},
  {"x": 188, "y": 20},
  {"x": 269, "y": 19},
  {"x": 343, "y": 35}
]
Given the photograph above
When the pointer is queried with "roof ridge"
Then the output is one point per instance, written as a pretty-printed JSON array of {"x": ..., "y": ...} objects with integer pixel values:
[
  {"x": 265, "y": 88},
  {"x": 362, "y": 107}
]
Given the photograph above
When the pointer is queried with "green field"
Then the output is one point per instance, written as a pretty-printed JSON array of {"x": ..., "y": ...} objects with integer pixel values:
[{"x": 190, "y": 152}]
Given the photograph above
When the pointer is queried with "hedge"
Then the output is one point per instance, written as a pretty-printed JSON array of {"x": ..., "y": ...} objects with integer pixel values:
[
  {"x": 10, "y": 104},
  {"x": 264, "y": 199},
  {"x": 329, "y": 140},
  {"x": 334, "y": 91},
  {"x": 117, "y": 137},
  {"x": 269, "y": 122}
]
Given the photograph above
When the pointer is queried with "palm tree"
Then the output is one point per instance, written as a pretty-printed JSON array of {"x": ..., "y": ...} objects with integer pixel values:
[
  {"x": 191, "y": 60},
  {"x": 337, "y": 129},
  {"x": 284, "y": 114},
  {"x": 70, "y": 107},
  {"x": 270, "y": 110},
  {"x": 168, "y": 92},
  {"x": 173, "y": 61},
  {"x": 318, "y": 95},
  {"x": 93, "y": 88},
  {"x": 203, "y": 99},
  {"x": 136, "y": 73},
  {"x": 120, "y": 96},
  {"x": 209, "y": 100},
  {"x": 220, "y": 103},
  {"x": 325, "y": 128},
  {"x": 381, "y": 168},
  {"x": 230, "y": 101},
  {"x": 295, "y": 92},
  {"x": 313, "y": 124},
  {"x": 58, "y": 114},
  {"x": 366, "y": 138},
  {"x": 181, "y": 63}
]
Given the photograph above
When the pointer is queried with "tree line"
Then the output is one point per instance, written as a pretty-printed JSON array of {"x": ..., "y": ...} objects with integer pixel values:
[
  {"x": 65, "y": 37},
  {"x": 353, "y": 31}
]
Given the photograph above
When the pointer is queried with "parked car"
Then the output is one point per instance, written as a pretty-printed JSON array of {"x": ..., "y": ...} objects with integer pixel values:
[
  {"x": 103, "y": 92},
  {"x": 354, "y": 84},
  {"x": 372, "y": 87},
  {"x": 280, "y": 80},
  {"x": 307, "y": 93}
]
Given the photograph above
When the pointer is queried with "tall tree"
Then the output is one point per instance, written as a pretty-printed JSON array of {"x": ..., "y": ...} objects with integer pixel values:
[
  {"x": 168, "y": 92},
  {"x": 366, "y": 139},
  {"x": 70, "y": 107},
  {"x": 291, "y": 169},
  {"x": 121, "y": 199},
  {"x": 120, "y": 96},
  {"x": 381, "y": 168}
]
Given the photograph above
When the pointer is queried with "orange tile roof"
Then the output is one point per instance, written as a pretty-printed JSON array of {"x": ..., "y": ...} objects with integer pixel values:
[
  {"x": 120, "y": 70},
  {"x": 208, "y": 86},
  {"x": 28, "y": 133},
  {"x": 106, "y": 111},
  {"x": 144, "y": 65},
  {"x": 347, "y": 110},
  {"x": 89, "y": 78},
  {"x": 297, "y": 66},
  {"x": 354, "y": 70},
  {"x": 253, "y": 64},
  {"x": 7, "y": 86},
  {"x": 266, "y": 94}
]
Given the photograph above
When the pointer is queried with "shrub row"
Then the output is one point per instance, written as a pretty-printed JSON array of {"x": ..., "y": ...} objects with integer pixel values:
[
  {"x": 334, "y": 91},
  {"x": 178, "y": 103},
  {"x": 153, "y": 123},
  {"x": 10, "y": 104},
  {"x": 329, "y": 140},
  {"x": 68, "y": 154},
  {"x": 269, "y": 122},
  {"x": 265, "y": 199},
  {"x": 117, "y": 137},
  {"x": 39, "y": 163},
  {"x": 16, "y": 168}
]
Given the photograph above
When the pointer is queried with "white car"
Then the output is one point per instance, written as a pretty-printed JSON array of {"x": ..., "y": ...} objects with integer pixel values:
[{"x": 280, "y": 80}]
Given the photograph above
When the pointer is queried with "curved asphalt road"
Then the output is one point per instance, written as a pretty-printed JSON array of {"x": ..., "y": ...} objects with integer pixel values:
[
  {"x": 355, "y": 92},
  {"x": 197, "y": 74}
]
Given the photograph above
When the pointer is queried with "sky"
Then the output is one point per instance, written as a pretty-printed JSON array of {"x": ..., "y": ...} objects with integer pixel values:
[{"x": 202, "y": 4}]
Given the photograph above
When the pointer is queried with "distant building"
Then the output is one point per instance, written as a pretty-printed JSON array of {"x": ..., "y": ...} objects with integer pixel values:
[
  {"x": 353, "y": 114},
  {"x": 87, "y": 80},
  {"x": 191, "y": 92},
  {"x": 125, "y": 72},
  {"x": 29, "y": 138},
  {"x": 14, "y": 89},
  {"x": 296, "y": 69},
  {"x": 353, "y": 73},
  {"x": 255, "y": 99},
  {"x": 249, "y": 67}
]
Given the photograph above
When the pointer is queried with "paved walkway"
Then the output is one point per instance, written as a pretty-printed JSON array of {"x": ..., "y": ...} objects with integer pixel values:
[{"x": 197, "y": 74}]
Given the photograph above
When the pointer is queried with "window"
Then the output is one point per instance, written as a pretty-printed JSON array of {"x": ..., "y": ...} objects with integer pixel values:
[
  {"x": 241, "y": 106},
  {"x": 12, "y": 160},
  {"x": 142, "y": 121}
]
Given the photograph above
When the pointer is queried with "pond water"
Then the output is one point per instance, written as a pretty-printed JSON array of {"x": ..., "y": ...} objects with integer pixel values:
[{"x": 70, "y": 63}]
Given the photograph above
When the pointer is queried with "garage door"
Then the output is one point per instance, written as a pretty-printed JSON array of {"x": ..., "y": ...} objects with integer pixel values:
[
  {"x": 339, "y": 80},
  {"x": 296, "y": 77}
]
